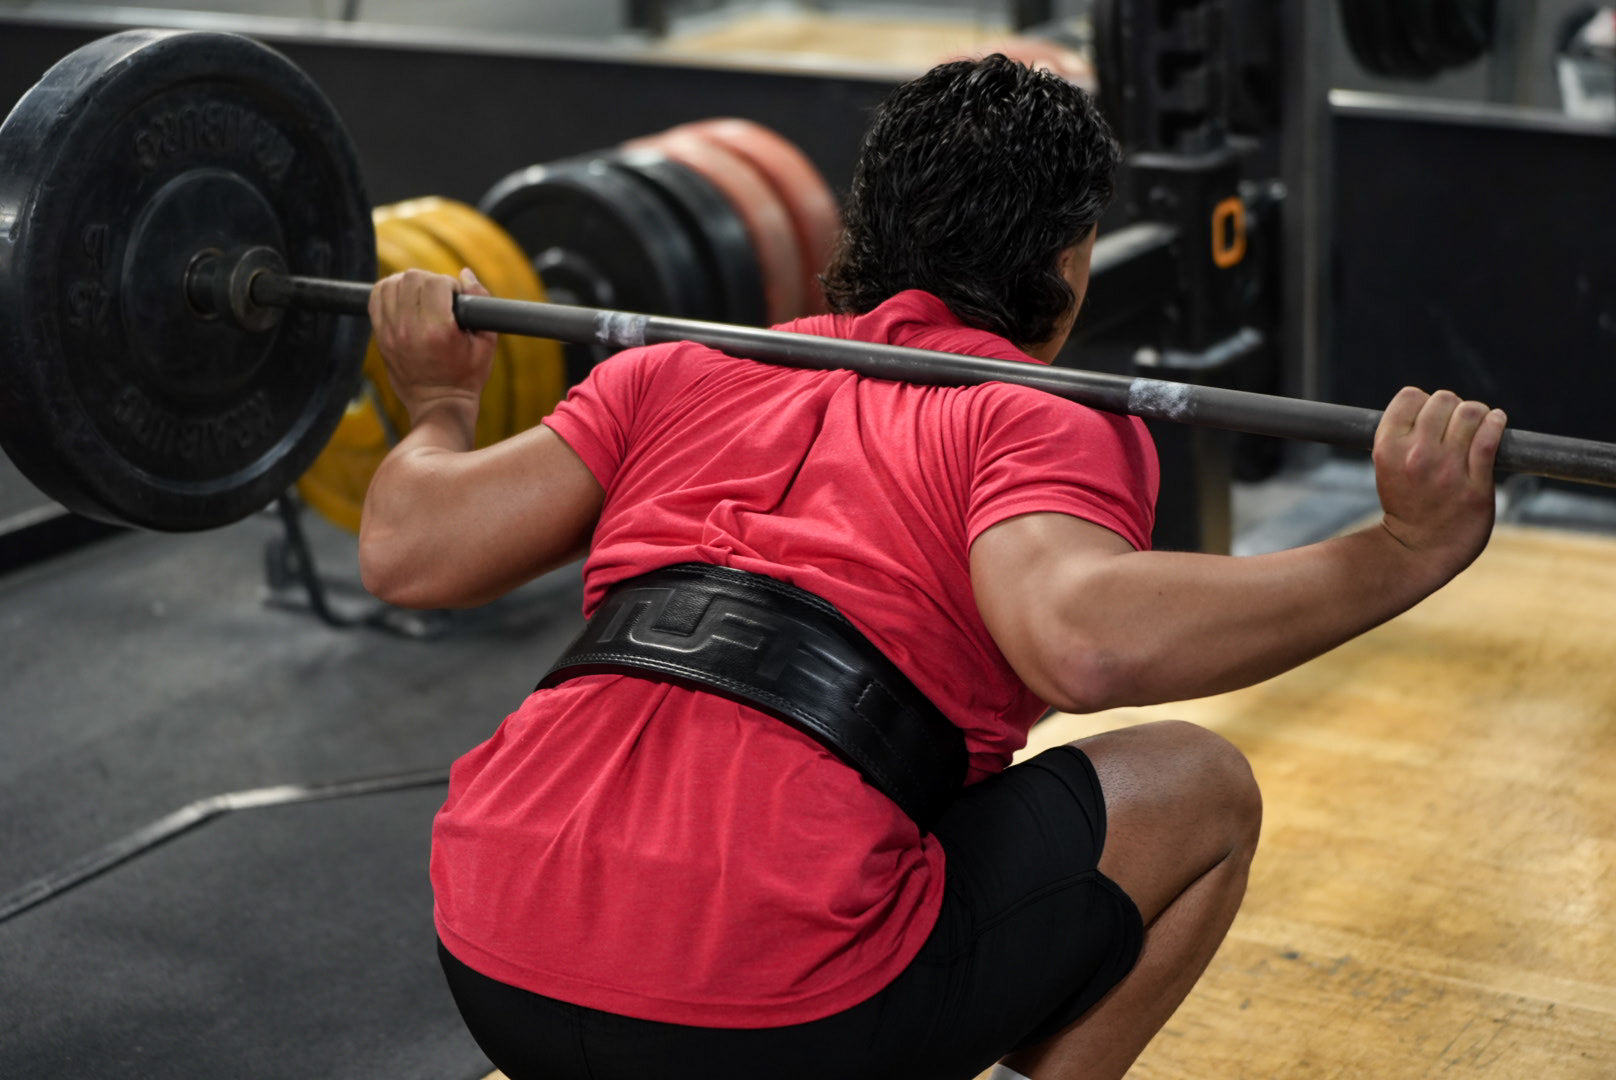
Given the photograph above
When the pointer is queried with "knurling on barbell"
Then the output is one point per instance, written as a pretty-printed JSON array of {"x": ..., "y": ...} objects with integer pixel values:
[{"x": 187, "y": 262}]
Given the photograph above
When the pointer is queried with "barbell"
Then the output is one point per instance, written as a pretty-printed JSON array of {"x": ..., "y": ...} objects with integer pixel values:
[{"x": 186, "y": 258}]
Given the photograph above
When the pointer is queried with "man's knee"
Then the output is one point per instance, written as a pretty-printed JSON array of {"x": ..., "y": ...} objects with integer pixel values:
[
  {"x": 1181, "y": 801},
  {"x": 1188, "y": 771},
  {"x": 1238, "y": 795}
]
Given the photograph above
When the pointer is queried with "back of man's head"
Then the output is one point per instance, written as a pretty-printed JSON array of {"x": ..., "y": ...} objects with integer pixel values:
[{"x": 972, "y": 180}]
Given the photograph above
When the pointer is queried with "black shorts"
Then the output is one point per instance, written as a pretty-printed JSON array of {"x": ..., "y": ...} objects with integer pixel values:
[{"x": 1031, "y": 935}]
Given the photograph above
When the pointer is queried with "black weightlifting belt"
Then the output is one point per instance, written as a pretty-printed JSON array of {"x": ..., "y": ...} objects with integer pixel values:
[{"x": 787, "y": 652}]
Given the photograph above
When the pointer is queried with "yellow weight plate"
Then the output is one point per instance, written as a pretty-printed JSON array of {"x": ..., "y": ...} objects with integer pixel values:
[
  {"x": 407, "y": 214},
  {"x": 391, "y": 258},
  {"x": 335, "y": 484},
  {"x": 428, "y": 253},
  {"x": 538, "y": 375},
  {"x": 545, "y": 371},
  {"x": 538, "y": 369}
]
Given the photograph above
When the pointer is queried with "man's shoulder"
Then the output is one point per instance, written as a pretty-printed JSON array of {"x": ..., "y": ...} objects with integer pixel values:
[{"x": 1029, "y": 407}]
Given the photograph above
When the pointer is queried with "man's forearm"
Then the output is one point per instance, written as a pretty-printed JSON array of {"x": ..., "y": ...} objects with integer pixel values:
[
  {"x": 409, "y": 511},
  {"x": 1149, "y": 627}
]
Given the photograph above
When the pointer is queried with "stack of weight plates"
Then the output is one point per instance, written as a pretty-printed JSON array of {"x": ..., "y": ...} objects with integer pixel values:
[
  {"x": 720, "y": 219},
  {"x": 527, "y": 379}
]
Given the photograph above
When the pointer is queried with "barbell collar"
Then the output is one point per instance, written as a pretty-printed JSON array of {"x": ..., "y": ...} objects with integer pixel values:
[
  {"x": 1556, "y": 457},
  {"x": 220, "y": 283}
]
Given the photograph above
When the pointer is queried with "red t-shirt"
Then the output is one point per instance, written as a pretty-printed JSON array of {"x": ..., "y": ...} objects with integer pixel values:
[{"x": 658, "y": 852}]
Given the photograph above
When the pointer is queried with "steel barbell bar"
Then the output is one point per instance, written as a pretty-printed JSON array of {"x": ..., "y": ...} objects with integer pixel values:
[
  {"x": 264, "y": 286},
  {"x": 184, "y": 230}
]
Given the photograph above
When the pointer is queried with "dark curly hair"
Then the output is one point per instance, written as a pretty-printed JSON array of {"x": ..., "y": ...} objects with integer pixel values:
[{"x": 973, "y": 178}]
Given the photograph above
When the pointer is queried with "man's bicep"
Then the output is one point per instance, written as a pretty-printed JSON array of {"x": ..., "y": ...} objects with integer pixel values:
[
  {"x": 554, "y": 502},
  {"x": 1026, "y": 574},
  {"x": 444, "y": 530}
]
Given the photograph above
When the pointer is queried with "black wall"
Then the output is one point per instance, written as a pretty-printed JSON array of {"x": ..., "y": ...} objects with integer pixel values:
[{"x": 447, "y": 118}]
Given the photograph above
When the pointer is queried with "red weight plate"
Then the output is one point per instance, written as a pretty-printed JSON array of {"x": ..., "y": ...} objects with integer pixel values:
[
  {"x": 814, "y": 212},
  {"x": 768, "y": 224}
]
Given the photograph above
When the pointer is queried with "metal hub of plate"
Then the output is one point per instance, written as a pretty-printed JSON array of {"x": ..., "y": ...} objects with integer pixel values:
[{"x": 129, "y": 157}]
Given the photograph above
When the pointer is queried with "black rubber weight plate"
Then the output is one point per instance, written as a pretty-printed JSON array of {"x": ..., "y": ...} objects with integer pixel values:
[
  {"x": 607, "y": 240},
  {"x": 721, "y": 236},
  {"x": 129, "y": 157},
  {"x": 599, "y": 238}
]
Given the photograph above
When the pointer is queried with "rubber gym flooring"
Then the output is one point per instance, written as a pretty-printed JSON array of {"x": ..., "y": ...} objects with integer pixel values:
[{"x": 146, "y": 673}]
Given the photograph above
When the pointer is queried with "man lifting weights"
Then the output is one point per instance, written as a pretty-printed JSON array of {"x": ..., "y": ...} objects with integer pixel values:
[{"x": 643, "y": 876}]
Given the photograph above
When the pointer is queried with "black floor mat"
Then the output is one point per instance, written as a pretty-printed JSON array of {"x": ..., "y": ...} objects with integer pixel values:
[
  {"x": 149, "y": 672},
  {"x": 284, "y": 941}
]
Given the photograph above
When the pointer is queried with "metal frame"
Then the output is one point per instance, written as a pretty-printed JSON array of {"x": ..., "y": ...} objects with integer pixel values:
[{"x": 1305, "y": 167}]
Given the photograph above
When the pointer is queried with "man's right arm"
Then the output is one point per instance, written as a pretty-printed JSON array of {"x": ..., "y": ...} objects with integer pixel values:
[
  {"x": 446, "y": 525},
  {"x": 1089, "y": 623}
]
